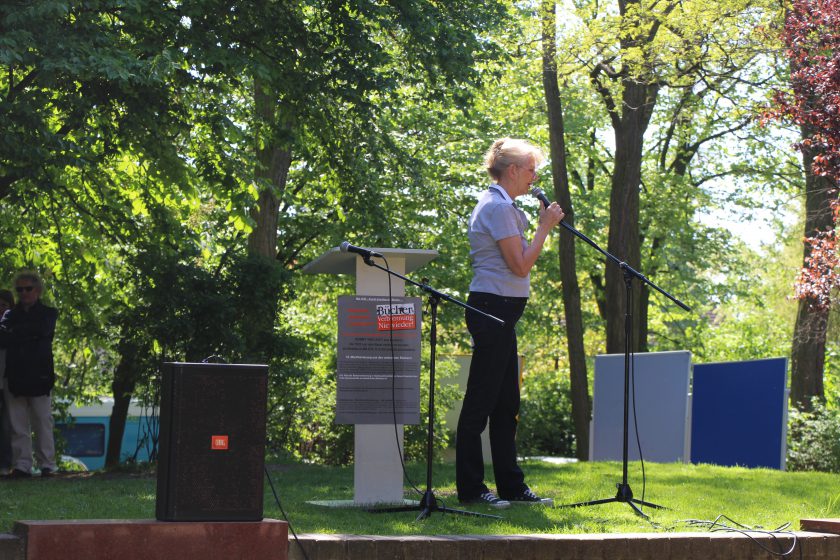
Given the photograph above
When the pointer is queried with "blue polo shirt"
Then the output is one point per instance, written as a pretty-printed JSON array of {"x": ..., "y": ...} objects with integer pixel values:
[{"x": 495, "y": 217}]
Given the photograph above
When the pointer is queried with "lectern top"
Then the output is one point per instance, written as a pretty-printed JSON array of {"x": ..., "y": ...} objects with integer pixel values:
[{"x": 335, "y": 261}]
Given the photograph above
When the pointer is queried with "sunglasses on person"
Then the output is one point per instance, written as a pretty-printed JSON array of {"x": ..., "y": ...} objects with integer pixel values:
[{"x": 21, "y": 289}]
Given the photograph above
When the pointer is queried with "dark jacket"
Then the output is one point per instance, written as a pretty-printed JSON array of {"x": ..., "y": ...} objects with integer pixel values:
[{"x": 27, "y": 337}]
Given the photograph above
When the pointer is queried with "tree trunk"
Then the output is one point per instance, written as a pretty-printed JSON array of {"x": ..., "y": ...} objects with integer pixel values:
[
  {"x": 809, "y": 332},
  {"x": 271, "y": 173},
  {"x": 122, "y": 388},
  {"x": 637, "y": 104},
  {"x": 644, "y": 302},
  {"x": 807, "y": 357},
  {"x": 273, "y": 160},
  {"x": 568, "y": 268}
]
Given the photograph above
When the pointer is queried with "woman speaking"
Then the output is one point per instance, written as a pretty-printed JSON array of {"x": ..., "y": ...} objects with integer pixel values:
[{"x": 502, "y": 259}]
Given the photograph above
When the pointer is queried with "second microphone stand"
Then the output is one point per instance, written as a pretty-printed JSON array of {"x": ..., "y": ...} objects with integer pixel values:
[
  {"x": 624, "y": 493},
  {"x": 428, "y": 503}
]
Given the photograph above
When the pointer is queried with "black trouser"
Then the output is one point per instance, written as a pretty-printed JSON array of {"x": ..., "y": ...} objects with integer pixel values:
[
  {"x": 5, "y": 435},
  {"x": 492, "y": 393}
]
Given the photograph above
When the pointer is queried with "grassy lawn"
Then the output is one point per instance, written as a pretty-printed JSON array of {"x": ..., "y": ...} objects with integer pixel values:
[{"x": 753, "y": 497}]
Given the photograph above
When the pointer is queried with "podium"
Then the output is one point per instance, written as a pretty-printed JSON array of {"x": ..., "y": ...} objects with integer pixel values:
[{"x": 377, "y": 472}]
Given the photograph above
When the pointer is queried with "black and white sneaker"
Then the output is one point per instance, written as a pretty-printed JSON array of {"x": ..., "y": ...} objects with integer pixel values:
[
  {"x": 489, "y": 499},
  {"x": 528, "y": 497}
]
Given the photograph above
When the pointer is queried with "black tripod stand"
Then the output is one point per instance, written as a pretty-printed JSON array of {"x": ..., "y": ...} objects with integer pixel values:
[
  {"x": 428, "y": 503},
  {"x": 624, "y": 494}
]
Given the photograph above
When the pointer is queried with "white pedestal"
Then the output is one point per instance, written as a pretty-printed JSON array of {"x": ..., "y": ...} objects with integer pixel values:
[{"x": 377, "y": 471}]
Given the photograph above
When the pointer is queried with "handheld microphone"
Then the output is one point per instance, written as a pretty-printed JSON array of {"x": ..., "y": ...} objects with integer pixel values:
[
  {"x": 365, "y": 253},
  {"x": 538, "y": 192}
]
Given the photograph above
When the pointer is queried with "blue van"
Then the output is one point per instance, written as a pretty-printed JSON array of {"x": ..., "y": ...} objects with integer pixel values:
[{"x": 86, "y": 434}]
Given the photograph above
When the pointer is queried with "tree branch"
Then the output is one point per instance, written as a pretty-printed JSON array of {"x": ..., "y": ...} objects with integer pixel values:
[{"x": 604, "y": 92}]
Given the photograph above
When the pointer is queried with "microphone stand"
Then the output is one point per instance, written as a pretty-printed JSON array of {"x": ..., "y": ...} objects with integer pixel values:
[
  {"x": 624, "y": 493},
  {"x": 429, "y": 504}
]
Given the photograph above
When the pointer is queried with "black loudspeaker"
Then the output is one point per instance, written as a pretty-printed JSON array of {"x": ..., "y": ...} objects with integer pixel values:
[{"x": 212, "y": 442}]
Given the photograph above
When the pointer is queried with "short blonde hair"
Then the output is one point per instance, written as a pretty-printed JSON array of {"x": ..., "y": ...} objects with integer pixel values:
[{"x": 509, "y": 151}]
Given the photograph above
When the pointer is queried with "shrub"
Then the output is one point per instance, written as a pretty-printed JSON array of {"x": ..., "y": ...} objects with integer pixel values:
[
  {"x": 416, "y": 435},
  {"x": 303, "y": 422},
  {"x": 814, "y": 439},
  {"x": 546, "y": 426}
]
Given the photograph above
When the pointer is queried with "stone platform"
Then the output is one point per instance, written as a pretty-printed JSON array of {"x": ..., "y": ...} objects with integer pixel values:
[
  {"x": 613, "y": 546},
  {"x": 146, "y": 540},
  {"x": 130, "y": 540},
  {"x": 821, "y": 525}
]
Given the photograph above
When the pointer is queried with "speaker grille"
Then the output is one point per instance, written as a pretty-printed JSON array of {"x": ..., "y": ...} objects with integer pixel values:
[{"x": 198, "y": 480}]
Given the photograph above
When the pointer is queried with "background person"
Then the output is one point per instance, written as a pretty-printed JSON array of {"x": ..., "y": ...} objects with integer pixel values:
[
  {"x": 7, "y": 301},
  {"x": 27, "y": 331},
  {"x": 502, "y": 259}
]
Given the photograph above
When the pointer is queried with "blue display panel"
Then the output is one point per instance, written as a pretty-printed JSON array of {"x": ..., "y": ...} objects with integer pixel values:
[{"x": 739, "y": 413}]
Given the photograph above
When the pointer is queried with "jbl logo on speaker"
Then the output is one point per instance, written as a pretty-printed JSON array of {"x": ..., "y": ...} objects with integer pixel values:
[{"x": 218, "y": 443}]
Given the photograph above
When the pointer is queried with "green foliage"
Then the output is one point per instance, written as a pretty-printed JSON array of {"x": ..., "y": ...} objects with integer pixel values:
[
  {"x": 303, "y": 424},
  {"x": 832, "y": 368},
  {"x": 545, "y": 426},
  {"x": 177, "y": 309},
  {"x": 814, "y": 439},
  {"x": 416, "y": 435},
  {"x": 308, "y": 430},
  {"x": 259, "y": 285},
  {"x": 82, "y": 83},
  {"x": 747, "y": 313}
]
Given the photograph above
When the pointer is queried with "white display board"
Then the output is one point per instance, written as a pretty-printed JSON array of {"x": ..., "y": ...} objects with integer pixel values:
[{"x": 661, "y": 407}]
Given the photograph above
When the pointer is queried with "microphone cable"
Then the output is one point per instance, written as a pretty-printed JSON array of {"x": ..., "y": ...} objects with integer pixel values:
[
  {"x": 400, "y": 451},
  {"x": 636, "y": 424}
]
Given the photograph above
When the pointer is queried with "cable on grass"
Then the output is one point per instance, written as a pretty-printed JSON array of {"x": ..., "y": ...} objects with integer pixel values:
[
  {"x": 282, "y": 511},
  {"x": 781, "y": 531}
]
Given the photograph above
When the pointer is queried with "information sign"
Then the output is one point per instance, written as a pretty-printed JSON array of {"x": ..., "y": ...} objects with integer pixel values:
[{"x": 378, "y": 360}]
